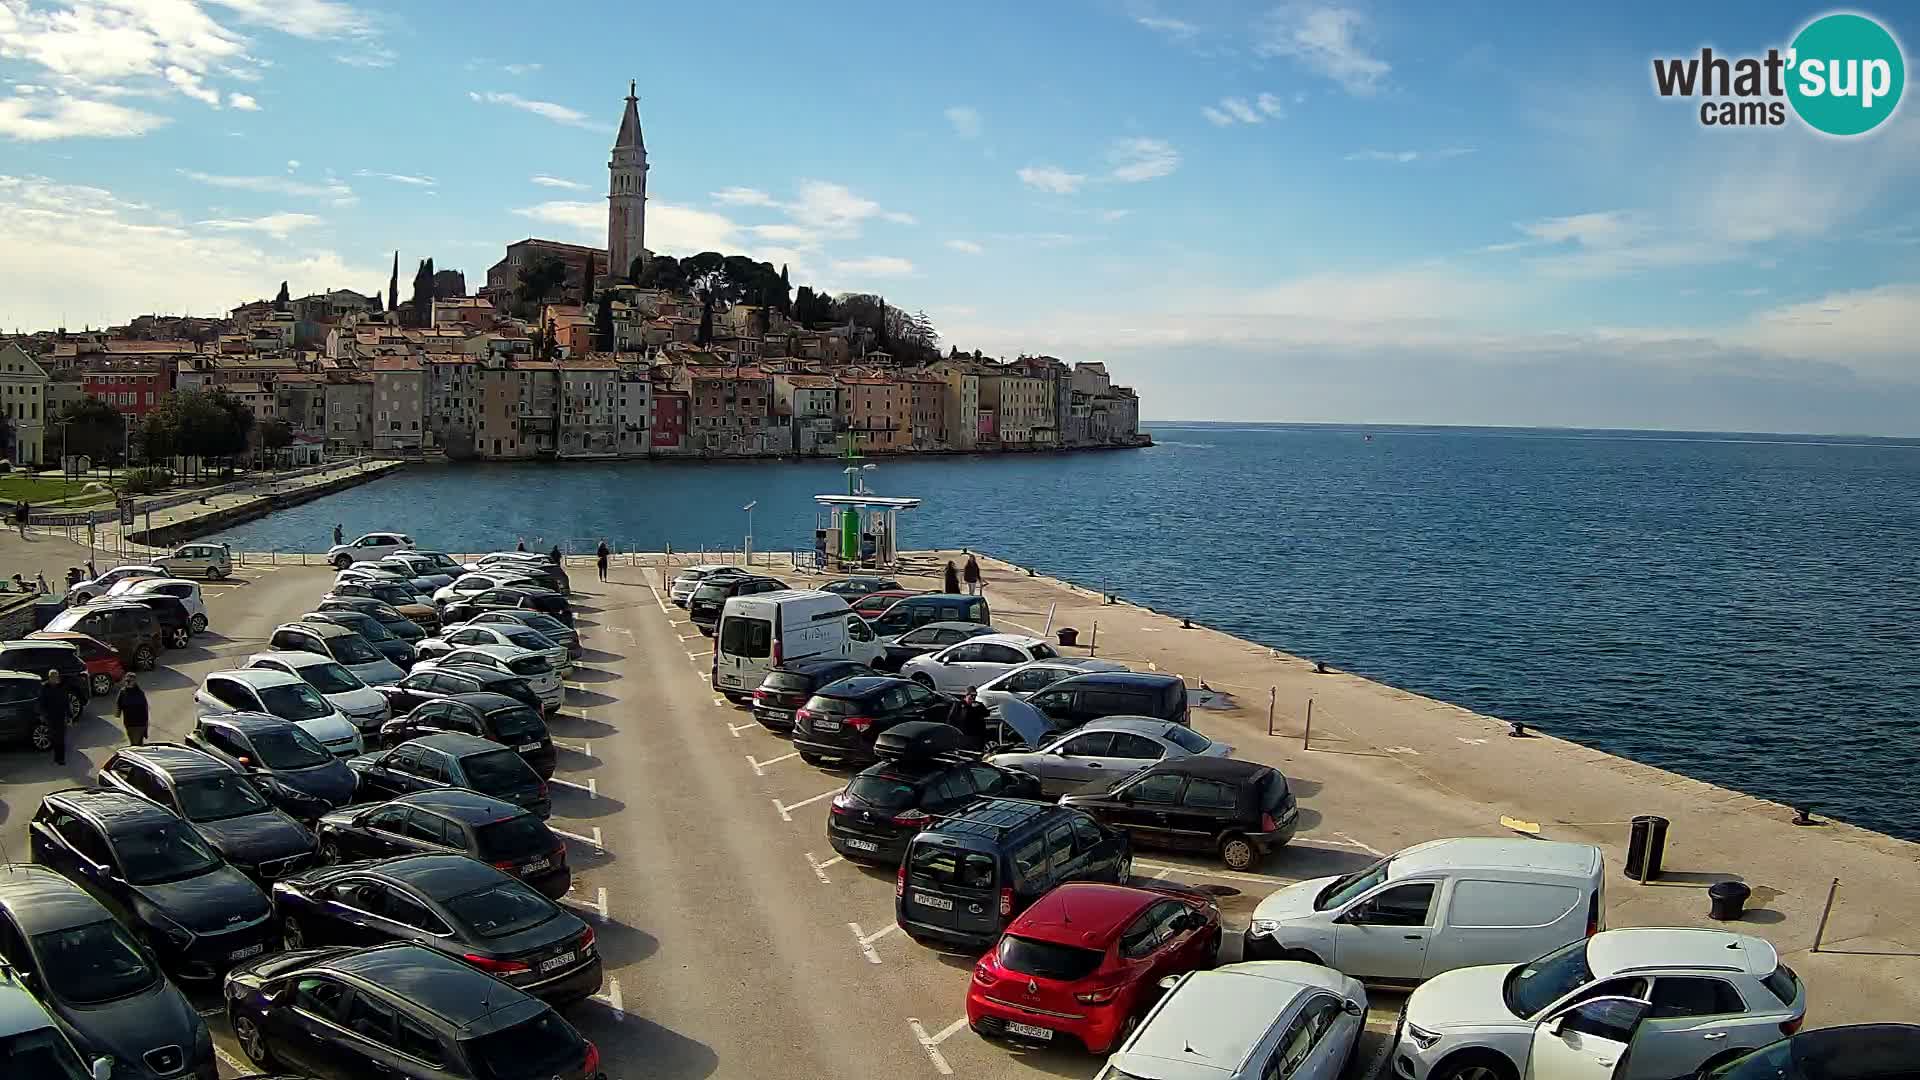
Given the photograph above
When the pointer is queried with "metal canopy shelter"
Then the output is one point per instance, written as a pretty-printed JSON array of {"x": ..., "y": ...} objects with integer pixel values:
[{"x": 861, "y": 529}]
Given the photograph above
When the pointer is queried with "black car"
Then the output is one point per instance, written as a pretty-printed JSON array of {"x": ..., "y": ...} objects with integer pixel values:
[
  {"x": 922, "y": 608},
  {"x": 449, "y": 903},
  {"x": 1851, "y": 1052},
  {"x": 20, "y": 711},
  {"x": 705, "y": 605},
  {"x": 176, "y": 622},
  {"x": 197, "y": 915},
  {"x": 378, "y": 634},
  {"x": 842, "y": 719},
  {"x": 399, "y": 1011},
  {"x": 498, "y": 833},
  {"x": 289, "y": 766},
  {"x": 452, "y": 760},
  {"x": 887, "y": 804},
  {"x": 927, "y": 638},
  {"x": 556, "y": 631},
  {"x": 219, "y": 801},
  {"x": 853, "y": 588},
  {"x": 504, "y": 720},
  {"x": 36, "y": 658},
  {"x": 96, "y": 981},
  {"x": 1240, "y": 809},
  {"x": 438, "y": 683},
  {"x": 545, "y": 601},
  {"x": 397, "y": 624},
  {"x": 1097, "y": 694},
  {"x": 963, "y": 880},
  {"x": 788, "y": 687}
]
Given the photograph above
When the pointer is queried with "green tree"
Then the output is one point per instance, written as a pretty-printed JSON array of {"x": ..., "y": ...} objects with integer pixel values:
[
  {"x": 422, "y": 300},
  {"x": 603, "y": 324},
  {"x": 663, "y": 272},
  {"x": 281, "y": 301},
  {"x": 541, "y": 279},
  {"x": 785, "y": 302},
  {"x": 707, "y": 279},
  {"x": 275, "y": 436},
  {"x": 93, "y": 428},
  {"x": 157, "y": 437}
]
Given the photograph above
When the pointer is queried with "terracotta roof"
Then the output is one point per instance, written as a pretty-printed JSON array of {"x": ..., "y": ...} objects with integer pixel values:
[
  {"x": 592, "y": 362},
  {"x": 812, "y": 382},
  {"x": 535, "y": 365},
  {"x": 396, "y": 363}
]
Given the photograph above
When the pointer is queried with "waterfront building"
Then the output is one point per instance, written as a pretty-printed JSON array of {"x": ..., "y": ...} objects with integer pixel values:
[
  {"x": 926, "y": 407},
  {"x": 730, "y": 407},
  {"x": 503, "y": 277},
  {"x": 668, "y": 418},
  {"x": 23, "y": 394},
  {"x": 133, "y": 387},
  {"x": 633, "y": 408},
  {"x": 809, "y": 407},
  {"x": 399, "y": 404},
  {"x": 627, "y": 194},
  {"x": 877, "y": 410},
  {"x": 350, "y": 414},
  {"x": 257, "y": 397},
  {"x": 589, "y": 409},
  {"x": 960, "y": 412}
]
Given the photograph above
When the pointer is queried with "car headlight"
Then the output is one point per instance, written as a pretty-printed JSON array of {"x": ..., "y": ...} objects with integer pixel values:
[
  {"x": 178, "y": 936},
  {"x": 1421, "y": 1037},
  {"x": 1263, "y": 927}
]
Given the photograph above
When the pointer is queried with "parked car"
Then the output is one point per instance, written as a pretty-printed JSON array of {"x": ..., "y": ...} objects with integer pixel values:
[
  {"x": 887, "y": 804},
  {"x": 1255, "y": 1021},
  {"x": 681, "y": 589},
  {"x": 1076, "y": 700},
  {"x": 418, "y": 568},
  {"x": 392, "y": 646},
  {"x": 451, "y": 904},
  {"x": 842, "y": 719},
  {"x": 384, "y": 571},
  {"x": 439, "y": 681},
  {"x": 1436, "y": 906},
  {"x": 33, "y": 1043},
  {"x": 509, "y": 635},
  {"x": 289, "y": 766},
  {"x": 398, "y": 1010},
  {"x": 37, "y": 656},
  {"x": 1239, "y": 809},
  {"x": 194, "y": 913},
  {"x": 1109, "y": 749},
  {"x": 104, "y": 668},
  {"x": 502, "y": 719},
  {"x": 220, "y": 803},
  {"x": 545, "y": 601},
  {"x": 451, "y": 759},
  {"x": 1850, "y": 1052},
  {"x": 498, "y": 833},
  {"x": 922, "y": 608},
  {"x": 132, "y": 630},
  {"x": 99, "y": 985},
  {"x": 176, "y": 622},
  {"x": 924, "y": 639},
  {"x": 560, "y": 633},
  {"x": 187, "y": 592},
  {"x": 788, "y": 686},
  {"x": 870, "y": 605},
  {"x": 965, "y": 878},
  {"x": 966, "y": 665},
  {"x": 93, "y": 588},
  {"x": 853, "y": 588},
  {"x": 277, "y": 693},
  {"x": 397, "y": 624},
  {"x": 703, "y": 609},
  {"x": 476, "y": 582},
  {"x": 20, "y": 719},
  {"x": 761, "y": 630},
  {"x": 344, "y": 646},
  {"x": 439, "y": 561},
  {"x": 1028, "y": 679},
  {"x": 1684, "y": 1000},
  {"x": 202, "y": 560},
  {"x": 368, "y": 548},
  {"x": 1086, "y": 962},
  {"x": 362, "y": 705},
  {"x": 534, "y": 667},
  {"x": 401, "y": 599}
]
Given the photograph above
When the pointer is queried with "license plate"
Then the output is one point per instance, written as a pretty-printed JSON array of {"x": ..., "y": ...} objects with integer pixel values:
[
  {"x": 560, "y": 961},
  {"x": 939, "y": 902},
  {"x": 821, "y": 723},
  {"x": 868, "y": 845},
  {"x": 730, "y": 680},
  {"x": 534, "y": 745},
  {"x": 1029, "y": 1031},
  {"x": 536, "y": 864},
  {"x": 252, "y": 950}
]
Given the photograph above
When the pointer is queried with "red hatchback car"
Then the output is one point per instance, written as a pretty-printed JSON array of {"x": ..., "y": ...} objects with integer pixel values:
[
  {"x": 1086, "y": 961},
  {"x": 871, "y": 605},
  {"x": 104, "y": 669}
]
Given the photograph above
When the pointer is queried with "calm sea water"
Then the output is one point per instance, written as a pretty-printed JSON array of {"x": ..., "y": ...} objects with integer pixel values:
[{"x": 1739, "y": 608}]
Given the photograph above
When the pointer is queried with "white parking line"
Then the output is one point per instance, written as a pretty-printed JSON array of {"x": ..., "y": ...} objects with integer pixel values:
[
  {"x": 598, "y": 907},
  {"x": 786, "y": 809},
  {"x": 591, "y": 787},
  {"x": 593, "y": 841},
  {"x": 760, "y": 767},
  {"x": 1166, "y": 869},
  {"x": 611, "y": 999},
  {"x": 585, "y": 747},
  {"x": 931, "y": 1043},
  {"x": 239, "y": 1067},
  {"x": 820, "y": 868},
  {"x": 1351, "y": 842},
  {"x": 577, "y": 688},
  {"x": 657, "y": 600},
  {"x": 864, "y": 941},
  {"x": 1023, "y": 626}
]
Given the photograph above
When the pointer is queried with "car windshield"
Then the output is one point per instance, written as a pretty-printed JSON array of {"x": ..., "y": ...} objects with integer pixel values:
[
  {"x": 1043, "y": 651},
  {"x": 530, "y": 665},
  {"x": 528, "y": 639},
  {"x": 288, "y": 748},
  {"x": 1188, "y": 739},
  {"x": 162, "y": 851},
  {"x": 294, "y": 701},
  {"x": 1047, "y": 960},
  {"x": 1532, "y": 987},
  {"x": 215, "y": 798},
  {"x": 514, "y": 838},
  {"x": 539, "y": 1048},
  {"x": 505, "y": 907},
  {"x": 545, "y": 624},
  {"x": 516, "y": 725},
  {"x": 1346, "y": 888},
  {"x": 370, "y": 628},
  {"x": 331, "y": 678},
  {"x": 15, "y": 691},
  {"x": 883, "y": 792},
  {"x": 43, "y": 1054},
  {"x": 353, "y": 649},
  {"x": 92, "y": 963},
  {"x": 497, "y": 770}
]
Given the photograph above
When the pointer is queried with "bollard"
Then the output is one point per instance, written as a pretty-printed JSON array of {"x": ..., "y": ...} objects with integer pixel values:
[
  {"x": 1516, "y": 730},
  {"x": 1319, "y": 667},
  {"x": 1273, "y": 694},
  {"x": 1821, "y": 930},
  {"x": 1186, "y": 624},
  {"x": 1306, "y": 736},
  {"x": 1095, "y": 642},
  {"x": 1803, "y": 815}
]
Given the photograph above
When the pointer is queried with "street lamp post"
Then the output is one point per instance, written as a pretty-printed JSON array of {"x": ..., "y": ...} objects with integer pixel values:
[{"x": 747, "y": 548}]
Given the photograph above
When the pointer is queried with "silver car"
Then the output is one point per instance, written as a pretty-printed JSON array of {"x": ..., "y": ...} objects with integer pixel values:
[
  {"x": 681, "y": 591},
  {"x": 524, "y": 637},
  {"x": 512, "y": 660},
  {"x": 1031, "y": 678},
  {"x": 1107, "y": 749},
  {"x": 1249, "y": 1021}
]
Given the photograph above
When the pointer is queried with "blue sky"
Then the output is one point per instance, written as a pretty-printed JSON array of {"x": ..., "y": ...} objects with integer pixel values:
[{"x": 1329, "y": 211}]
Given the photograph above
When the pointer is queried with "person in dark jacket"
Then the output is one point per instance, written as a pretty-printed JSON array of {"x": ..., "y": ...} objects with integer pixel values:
[
  {"x": 953, "y": 577},
  {"x": 133, "y": 711},
  {"x": 976, "y": 585},
  {"x": 603, "y": 555},
  {"x": 338, "y": 537},
  {"x": 558, "y": 559},
  {"x": 53, "y": 710},
  {"x": 970, "y": 716}
]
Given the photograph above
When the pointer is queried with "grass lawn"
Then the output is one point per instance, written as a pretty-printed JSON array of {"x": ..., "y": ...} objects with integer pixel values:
[{"x": 14, "y": 487}]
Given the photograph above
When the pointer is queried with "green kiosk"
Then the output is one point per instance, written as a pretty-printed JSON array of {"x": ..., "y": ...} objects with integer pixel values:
[{"x": 861, "y": 528}]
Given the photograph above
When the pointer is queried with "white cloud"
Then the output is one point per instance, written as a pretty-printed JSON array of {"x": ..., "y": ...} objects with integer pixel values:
[
  {"x": 1403, "y": 157},
  {"x": 275, "y": 225},
  {"x": 243, "y": 102},
  {"x": 555, "y": 182},
  {"x": 368, "y": 56},
  {"x": 1051, "y": 179},
  {"x": 581, "y": 216},
  {"x": 398, "y": 178},
  {"x": 837, "y": 208},
  {"x": 799, "y": 237},
  {"x": 965, "y": 120},
  {"x": 292, "y": 164},
  {"x": 1871, "y": 329},
  {"x": 1606, "y": 228},
  {"x": 966, "y": 247},
  {"x": 1111, "y": 216},
  {"x": 41, "y": 117},
  {"x": 313, "y": 19},
  {"x": 874, "y": 266},
  {"x": 1136, "y": 159},
  {"x": 1215, "y": 116},
  {"x": 743, "y": 196},
  {"x": 1327, "y": 39},
  {"x": 559, "y": 114},
  {"x": 1238, "y": 110},
  {"x": 1270, "y": 105},
  {"x": 687, "y": 230},
  {"x": 1241, "y": 111},
  {"x": 1177, "y": 29},
  {"x": 334, "y": 190},
  {"x": 520, "y": 69},
  {"x": 189, "y": 84}
]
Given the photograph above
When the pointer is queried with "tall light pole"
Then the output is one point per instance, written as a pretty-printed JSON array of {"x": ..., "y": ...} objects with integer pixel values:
[{"x": 747, "y": 548}]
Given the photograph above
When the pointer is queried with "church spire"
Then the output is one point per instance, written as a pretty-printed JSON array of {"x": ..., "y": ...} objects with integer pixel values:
[{"x": 630, "y": 136}]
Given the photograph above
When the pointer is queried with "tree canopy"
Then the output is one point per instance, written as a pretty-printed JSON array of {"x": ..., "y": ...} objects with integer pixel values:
[{"x": 94, "y": 428}]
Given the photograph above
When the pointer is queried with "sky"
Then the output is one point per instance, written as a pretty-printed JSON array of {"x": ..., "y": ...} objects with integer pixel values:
[{"x": 1336, "y": 211}]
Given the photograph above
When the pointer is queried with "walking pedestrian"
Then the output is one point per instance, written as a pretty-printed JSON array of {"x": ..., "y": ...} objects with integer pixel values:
[
  {"x": 976, "y": 585},
  {"x": 953, "y": 577},
  {"x": 21, "y": 512},
  {"x": 53, "y": 712},
  {"x": 603, "y": 555},
  {"x": 558, "y": 559},
  {"x": 521, "y": 544},
  {"x": 40, "y": 583},
  {"x": 338, "y": 536},
  {"x": 132, "y": 704},
  {"x": 91, "y": 572}
]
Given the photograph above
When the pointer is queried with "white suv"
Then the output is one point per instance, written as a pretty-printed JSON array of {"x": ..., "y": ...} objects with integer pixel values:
[
  {"x": 369, "y": 548},
  {"x": 1681, "y": 999}
]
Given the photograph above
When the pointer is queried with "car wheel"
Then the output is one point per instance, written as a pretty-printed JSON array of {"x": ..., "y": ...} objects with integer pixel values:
[
  {"x": 1126, "y": 870},
  {"x": 252, "y": 1042},
  {"x": 923, "y": 679},
  {"x": 342, "y": 561},
  {"x": 42, "y": 736},
  {"x": 178, "y": 638},
  {"x": 74, "y": 708},
  {"x": 101, "y": 684},
  {"x": 198, "y": 624},
  {"x": 329, "y": 851},
  {"x": 216, "y": 572},
  {"x": 809, "y": 758},
  {"x": 291, "y": 936},
  {"x": 143, "y": 658},
  {"x": 1238, "y": 852},
  {"x": 1474, "y": 1065}
]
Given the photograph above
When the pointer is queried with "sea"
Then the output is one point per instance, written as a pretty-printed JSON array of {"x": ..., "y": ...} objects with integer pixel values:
[{"x": 1740, "y": 608}]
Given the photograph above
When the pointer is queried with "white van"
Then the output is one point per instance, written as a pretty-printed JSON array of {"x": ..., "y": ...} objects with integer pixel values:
[
  {"x": 760, "y": 632},
  {"x": 1437, "y": 906}
]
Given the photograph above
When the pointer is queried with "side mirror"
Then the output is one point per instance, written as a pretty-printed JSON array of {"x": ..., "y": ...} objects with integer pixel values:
[
  {"x": 1557, "y": 1024},
  {"x": 1352, "y": 1008},
  {"x": 102, "y": 1068},
  {"x": 1170, "y": 982}
]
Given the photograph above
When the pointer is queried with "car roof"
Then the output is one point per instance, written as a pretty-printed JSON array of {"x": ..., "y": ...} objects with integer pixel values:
[
  {"x": 791, "y": 594},
  {"x": 44, "y": 643},
  {"x": 107, "y": 603},
  {"x": 468, "y": 805},
  {"x": 1144, "y": 679},
  {"x": 1023, "y": 641},
  {"x": 457, "y": 743},
  {"x": 1232, "y": 770},
  {"x": 815, "y": 664},
  {"x": 463, "y": 996},
  {"x": 488, "y": 701},
  {"x": 1086, "y": 914},
  {"x": 322, "y": 629},
  {"x": 439, "y": 875},
  {"x": 42, "y": 900},
  {"x": 21, "y": 676},
  {"x": 1210, "y": 1025},
  {"x": 1653, "y": 948},
  {"x": 990, "y": 819},
  {"x": 259, "y": 677},
  {"x": 503, "y": 652},
  {"x": 1144, "y": 725},
  {"x": 109, "y": 806},
  {"x": 245, "y": 721},
  {"x": 1496, "y": 853},
  {"x": 20, "y": 1011},
  {"x": 859, "y": 686},
  {"x": 476, "y": 671},
  {"x": 176, "y": 760},
  {"x": 951, "y": 624},
  {"x": 140, "y": 584},
  {"x": 295, "y": 657},
  {"x": 1856, "y": 1050}
]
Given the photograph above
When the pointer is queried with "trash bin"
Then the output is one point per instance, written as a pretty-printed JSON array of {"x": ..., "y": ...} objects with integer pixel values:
[
  {"x": 1646, "y": 847},
  {"x": 1729, "y": 900},
  {"x": 1068, "y": 635}
]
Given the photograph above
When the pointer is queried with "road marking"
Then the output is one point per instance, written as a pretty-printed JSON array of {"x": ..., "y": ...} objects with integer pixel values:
[
  {"x": 239, "y": 1067},
  {"x": 760, "y": 767},
  {"x": 611, "y": 999},
  {"x": 736, "y": 729},
  {"x": 1229, "y": 875},
  {"x": 690, "y": 637},
  {"x": 591, "y": 787},
  {"x": 585, "y": 747},
  {"x": 1470, "y": 742},
  {"x": 820, "y": 868},
  {"x": 1023, "y": 626},
  {"x": 593, "y": 842},
  {"x": 598, "y": 907},
  {"x": 786, "y": 809},
  {"x": 1373, "y": 851},
  {"x": 931, "y": 1043},
  {"x": 864, "y": 941},
  {"x": 657, "y": 600},
  {"x": 1401, "y": 750}
]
